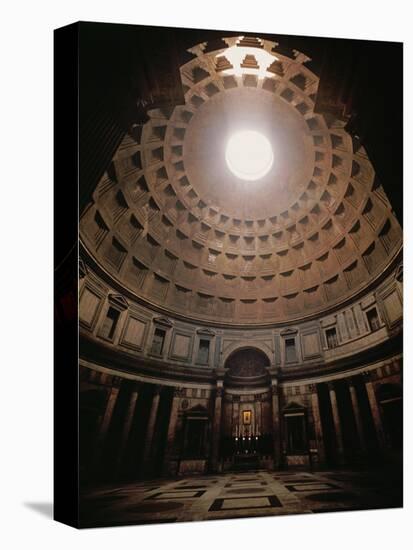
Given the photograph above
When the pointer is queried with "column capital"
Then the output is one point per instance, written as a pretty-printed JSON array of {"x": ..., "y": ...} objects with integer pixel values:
[
  {"x": 177, "y": 392},
  {"x": 366, "y": 376},
  {"x": 349, "y": 382},
  {"x": 312, "y": 388},
  {"x": 220, "y": 374},
  {"x": 274, "y": 389},
  {"x": 116, "y": 381},
  {"x": 273, "y": 375},
  {"x": 157, "y": 388},
  {"x": 330, "y": 385},
  {"x": 219, "y": 391}
]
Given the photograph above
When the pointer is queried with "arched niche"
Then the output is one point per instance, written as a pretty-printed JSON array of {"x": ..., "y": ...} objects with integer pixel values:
[
  {"x": 235, "y": 347},
  {"x": 247, "y": 366}
]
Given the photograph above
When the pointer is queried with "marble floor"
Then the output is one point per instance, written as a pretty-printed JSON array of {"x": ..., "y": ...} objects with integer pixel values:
[{"x": 239, "y": 495}]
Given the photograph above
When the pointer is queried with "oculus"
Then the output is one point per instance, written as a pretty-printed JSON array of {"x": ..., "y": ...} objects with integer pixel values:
[{"x": 249, "y": 155}]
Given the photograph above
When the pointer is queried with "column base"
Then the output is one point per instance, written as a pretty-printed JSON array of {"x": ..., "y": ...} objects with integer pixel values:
[
  {"x": 170, "y": 468},
  {"x": 215, "y": 467},
  {"x": 341, "y": 461}
]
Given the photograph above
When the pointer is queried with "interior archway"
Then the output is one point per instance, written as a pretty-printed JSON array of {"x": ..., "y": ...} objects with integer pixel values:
[
  {"x": 247, "y": 430},
  {"x": 248, "y": 365}
]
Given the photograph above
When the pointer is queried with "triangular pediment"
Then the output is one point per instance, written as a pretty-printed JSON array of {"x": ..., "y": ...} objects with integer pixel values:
[
  {"x": 118, "y": 300},
  {"x": 164, "y": 321},
  {"x": 205, "y": 332},
  {"x": 288, "y": 331}
]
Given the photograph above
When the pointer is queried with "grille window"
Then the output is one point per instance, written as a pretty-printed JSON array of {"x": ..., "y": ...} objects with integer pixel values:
[
  {"x": 290, "y": 351},
  {"x": 110, "y": 322},
  {"x": 203, "y": 352},
  {"x": 158, "y": 341},
  {"x": 373, "y": 319},
  {"x": 331, "y": 335}
]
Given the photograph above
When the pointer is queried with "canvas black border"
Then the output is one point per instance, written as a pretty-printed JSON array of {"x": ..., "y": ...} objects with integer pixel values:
[{"x": 66, "y": 334}]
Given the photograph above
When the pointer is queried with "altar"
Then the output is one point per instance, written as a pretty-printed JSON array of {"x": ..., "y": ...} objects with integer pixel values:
[{"x": 245, "y": 461}]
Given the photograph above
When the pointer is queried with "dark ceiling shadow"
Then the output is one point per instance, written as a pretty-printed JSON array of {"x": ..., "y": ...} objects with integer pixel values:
[{"x": 43, "y": 508}]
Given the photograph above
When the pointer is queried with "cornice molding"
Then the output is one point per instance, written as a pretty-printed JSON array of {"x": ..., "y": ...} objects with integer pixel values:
[{"x": 113, "y": 357}]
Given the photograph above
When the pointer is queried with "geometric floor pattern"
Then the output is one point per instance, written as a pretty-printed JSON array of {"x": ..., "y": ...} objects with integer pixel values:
[{"x": 239, "y": 495}]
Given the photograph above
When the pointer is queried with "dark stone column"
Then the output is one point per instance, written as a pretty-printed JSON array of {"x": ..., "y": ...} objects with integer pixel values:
[
  {"x": 375, "y": 410},
  {"x": 170, "y": 438},
  {"x": 235, "y": 414},
  {"x": 216, "y": 428},
  {"x": 127, "y": 425},
  {"x": 337, "y": 424},
  {"x": 106, "y": 420},
  {"x": 318, "y": 428},
  {"x": 147, "y": 453},
  {"x": 258, "y": 414},
  {"x": 275, "y": 410},
  {"x": 357, "y": 414}
]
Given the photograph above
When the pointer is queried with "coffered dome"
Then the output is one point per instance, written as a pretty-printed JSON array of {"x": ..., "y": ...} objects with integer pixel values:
[{"x": 175, "y": 226}]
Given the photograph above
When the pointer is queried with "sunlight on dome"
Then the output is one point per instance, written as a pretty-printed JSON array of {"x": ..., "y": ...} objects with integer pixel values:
[
  {"x": 236, "y": 55},
  {"x": 249, "y": 155}
]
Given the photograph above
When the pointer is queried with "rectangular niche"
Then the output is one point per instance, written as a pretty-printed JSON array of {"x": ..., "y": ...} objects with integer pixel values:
[
  {"x": 110, "y": 323},
  {"x": 158, "y": 341},
  {"x": 204, "y": 351},
  {"x": 290, "y": 350}
]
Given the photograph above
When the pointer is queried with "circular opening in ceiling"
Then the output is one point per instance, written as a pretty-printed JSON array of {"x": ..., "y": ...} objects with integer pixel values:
[{"x": 249, "y": 155}]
